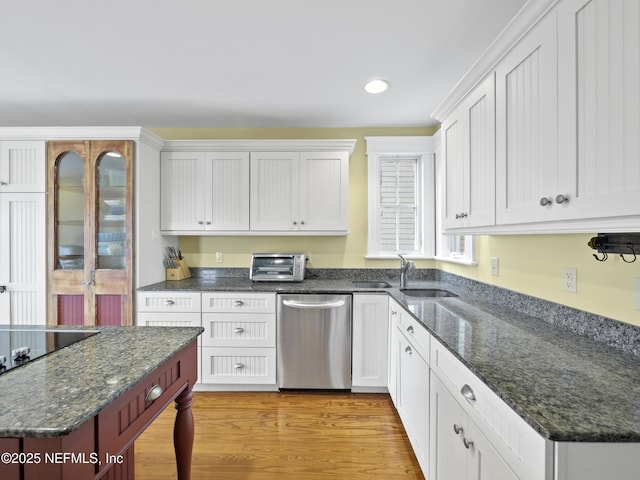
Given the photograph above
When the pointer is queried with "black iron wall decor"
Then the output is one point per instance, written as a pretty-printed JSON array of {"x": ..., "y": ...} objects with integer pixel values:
[{"x": 626, "y": 244}]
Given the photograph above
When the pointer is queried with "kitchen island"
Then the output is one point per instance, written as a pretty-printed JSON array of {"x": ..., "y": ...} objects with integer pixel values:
[{"x": 76, "y": 412}]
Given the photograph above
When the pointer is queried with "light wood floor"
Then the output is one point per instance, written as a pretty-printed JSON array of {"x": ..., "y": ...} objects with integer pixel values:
[{"x": 284, "y": 436}]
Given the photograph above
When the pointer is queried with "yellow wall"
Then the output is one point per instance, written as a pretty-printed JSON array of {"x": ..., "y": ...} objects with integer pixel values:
[
  {"x": 533, "y": 264},
  {"x": 530, "y": 264}
]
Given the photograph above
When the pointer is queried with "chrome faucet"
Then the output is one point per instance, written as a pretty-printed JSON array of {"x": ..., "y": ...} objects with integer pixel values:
[{"x": 405, "y": 266}]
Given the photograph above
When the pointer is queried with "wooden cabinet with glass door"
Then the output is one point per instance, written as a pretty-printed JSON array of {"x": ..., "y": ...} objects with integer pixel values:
[{"x": 90, "y": 232}]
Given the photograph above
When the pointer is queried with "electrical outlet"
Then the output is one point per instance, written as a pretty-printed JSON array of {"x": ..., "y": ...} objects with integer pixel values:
[
  {"x": 570, "y": 280},
  {"x": 219, "y": 257},
  {"x": 495, "y": 266}
]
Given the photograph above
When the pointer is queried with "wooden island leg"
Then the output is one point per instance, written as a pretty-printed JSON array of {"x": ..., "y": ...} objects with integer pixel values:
[{"x": 183, "y": 433}]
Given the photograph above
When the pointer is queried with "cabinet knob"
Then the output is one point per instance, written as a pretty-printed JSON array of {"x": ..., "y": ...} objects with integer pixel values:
[
  {"x": 3, "y": 183},
  {"x": 200, "y": 222},
  {"x": 238, "y": 303},
  {"x": 408, "y": 350},
  {"x": 239, "y": 330},
  {"x": 410, "y": 329},
  {"x": 544, "y": 201},
  {"x": 461, "y": 215},
  {"x": 301, "y": 222},
  {"x": 561, "y": 199},
  {"x": 295, "y": 223},
  {"x": 394, "y": 313},
  {"x": 3, "y": 288},
  {"x": 153, "y": 394},
  {"x": 467, "y": 392},
  {"x": 169, "y": 302},
  {"x": 208, "y": 222},
  {"x": 457, "y": 428},
  {"x": 239, "y": 366},
  {"x": 467, "y": 443}
]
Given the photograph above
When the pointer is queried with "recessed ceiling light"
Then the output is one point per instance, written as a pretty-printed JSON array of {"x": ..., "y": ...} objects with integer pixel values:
[{"x": 376, "y": 86}]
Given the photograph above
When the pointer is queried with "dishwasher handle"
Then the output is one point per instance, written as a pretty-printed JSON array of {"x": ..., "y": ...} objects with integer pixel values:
[{"x": 316, "y": 306}]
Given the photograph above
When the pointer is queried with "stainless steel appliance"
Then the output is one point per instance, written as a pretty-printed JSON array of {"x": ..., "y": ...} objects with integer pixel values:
[
  {"x": 314, "y": 341},
  {"x": 277, "y": 267},
  {"x": 19, "y": 346}
]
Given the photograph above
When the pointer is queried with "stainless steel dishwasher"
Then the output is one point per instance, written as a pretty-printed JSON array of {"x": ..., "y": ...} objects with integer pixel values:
[{"x": 314, "y": 341}]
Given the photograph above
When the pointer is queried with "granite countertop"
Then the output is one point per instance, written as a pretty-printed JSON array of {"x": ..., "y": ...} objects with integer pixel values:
[
  {"x": 568, "y": 387},
  {"x": 55, "y": 394}
]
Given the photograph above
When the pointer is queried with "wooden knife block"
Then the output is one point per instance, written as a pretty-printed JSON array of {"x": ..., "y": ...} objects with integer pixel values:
[{"x": 179, "y": 273}]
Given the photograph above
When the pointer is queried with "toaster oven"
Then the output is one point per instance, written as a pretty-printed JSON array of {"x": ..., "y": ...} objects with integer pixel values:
[{"x": 277, "y": 267}]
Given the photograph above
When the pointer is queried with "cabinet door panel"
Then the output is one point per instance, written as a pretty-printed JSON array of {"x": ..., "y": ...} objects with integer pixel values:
[
  {"x": 182, "y": 180},
  {"x": 484, "y": 461},
  {"x": 599, "y": 82},
  {"x": 22, "y": 258},
  {"x": 370, "y": 340},
  {"x": 226, "y": 199},
  {"x": 448, "y": 453},
  {"x": 274, "y": 191},
  {"x": 526, "y": 127},
  {"x": 323, "y": 191},
  {"x": 22, "y": 166}
]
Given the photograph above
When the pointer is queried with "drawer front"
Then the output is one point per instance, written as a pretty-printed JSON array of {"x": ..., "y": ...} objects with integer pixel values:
[
  {"x": 239, "y": 330},
  {"x": 416, "y": 333},
  {"x": 518, "y": 444},
  {"x": 239, "y": 302},
  {"x": 174, "y": 319},
  {"x": 239, "y": 365},
  {"x": 168, "y": 302},
  {"x": 121, "y": 422}
]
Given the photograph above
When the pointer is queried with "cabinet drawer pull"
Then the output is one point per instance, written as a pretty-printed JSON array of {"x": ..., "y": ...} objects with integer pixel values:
[
  {"x": 153, "y": 394},
  {"x": 410, "y": 329},
  {"x": 238, "y": 330},
  {"x": 467, "y": 392},
  {"x": 238, "y": 303},
  {"x": 467, "y": 443},
  {"x": 457, "y": 428},
  {"x": 238, "y": 366},
  {"x": 169, "y": 302},
  {"x": 408, "y": 350}
]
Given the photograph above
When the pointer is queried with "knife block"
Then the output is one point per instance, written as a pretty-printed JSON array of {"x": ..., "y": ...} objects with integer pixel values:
[{"x": 179, "y": 273}]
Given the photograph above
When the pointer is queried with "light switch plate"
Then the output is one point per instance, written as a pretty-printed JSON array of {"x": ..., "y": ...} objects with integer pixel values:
[{"x": 219, "y": 257}]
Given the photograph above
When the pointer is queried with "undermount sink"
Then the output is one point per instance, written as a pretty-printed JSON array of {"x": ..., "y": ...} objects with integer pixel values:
[
  {"x": 427, "y": 292},
  {"x": 371, "y": 284}
]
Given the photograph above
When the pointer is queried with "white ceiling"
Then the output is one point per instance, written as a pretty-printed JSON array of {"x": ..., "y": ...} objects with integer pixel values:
[{"x": 237, "y": 63}]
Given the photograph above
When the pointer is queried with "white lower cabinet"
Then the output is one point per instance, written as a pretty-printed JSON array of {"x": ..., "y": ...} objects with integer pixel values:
[
  {"x": 460, "y": 450},
  {"x": 239, "y": 341},
  {"x": 413, "y": 398},
  {"x": 370, "y": 342},
  {"x": 170, "y": 309}
]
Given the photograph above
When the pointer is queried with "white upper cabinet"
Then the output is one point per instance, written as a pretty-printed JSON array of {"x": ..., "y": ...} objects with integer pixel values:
[
  {"x": 526, "y": 128},
  {"x": 299, "y": 192},
  {"x": 22, "y": 166},
  {"x": 204, "y": 191},
  {"x": 469, "y": 160},
  {"x": 599, "y": 105}
]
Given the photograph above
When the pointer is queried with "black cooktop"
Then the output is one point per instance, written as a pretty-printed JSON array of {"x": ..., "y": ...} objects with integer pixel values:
[{"x": 19, "y": 346}]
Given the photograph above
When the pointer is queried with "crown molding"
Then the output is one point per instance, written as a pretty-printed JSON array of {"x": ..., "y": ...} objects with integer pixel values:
[
  {"x": 267, "y": 145},
  {"x": 517, "y": 28},
  {"x": 81, "y": 133}
]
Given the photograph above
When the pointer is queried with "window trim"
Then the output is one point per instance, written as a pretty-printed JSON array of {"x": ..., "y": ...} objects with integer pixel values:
[{"x": 421, "y": 148}]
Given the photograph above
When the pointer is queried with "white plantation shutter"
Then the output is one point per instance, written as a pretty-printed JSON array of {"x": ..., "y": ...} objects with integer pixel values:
[{"x": 398, "y": 229}]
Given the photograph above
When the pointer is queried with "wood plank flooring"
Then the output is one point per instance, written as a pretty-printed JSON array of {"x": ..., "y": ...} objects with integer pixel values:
[{"x": 284, "y": 436}]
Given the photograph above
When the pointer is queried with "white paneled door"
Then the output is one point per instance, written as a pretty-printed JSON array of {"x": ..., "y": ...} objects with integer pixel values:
[{"x": 22, "y": 259}]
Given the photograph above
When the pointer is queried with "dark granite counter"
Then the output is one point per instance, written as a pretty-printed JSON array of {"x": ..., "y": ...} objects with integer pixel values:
[
  {"x": 55, "y": 394},
  {"x": 568, "y": 387}
]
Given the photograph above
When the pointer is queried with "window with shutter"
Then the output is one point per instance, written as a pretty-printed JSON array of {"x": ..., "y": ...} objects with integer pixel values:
[
  {"x": 398, "y": 227},
  {"x": 401, "y": 197}
]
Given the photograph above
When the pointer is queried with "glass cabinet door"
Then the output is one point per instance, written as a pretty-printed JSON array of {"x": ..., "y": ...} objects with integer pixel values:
[{"x": 90, "y": 264}]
